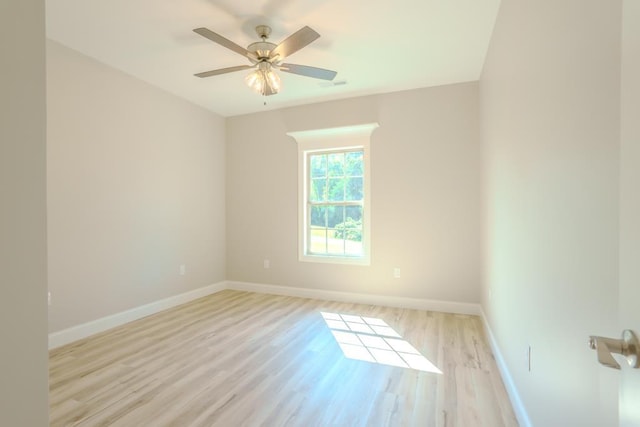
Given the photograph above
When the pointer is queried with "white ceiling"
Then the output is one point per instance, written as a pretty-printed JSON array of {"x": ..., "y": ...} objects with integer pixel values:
[{"x": 376, "y": 46}]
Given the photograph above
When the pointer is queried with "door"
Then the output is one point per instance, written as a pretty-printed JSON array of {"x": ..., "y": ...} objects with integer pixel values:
[{"x": 629, "y": 395}]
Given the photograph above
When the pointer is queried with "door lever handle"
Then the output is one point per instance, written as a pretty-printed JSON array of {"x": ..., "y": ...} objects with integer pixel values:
[{"x": 627, "y": 346}]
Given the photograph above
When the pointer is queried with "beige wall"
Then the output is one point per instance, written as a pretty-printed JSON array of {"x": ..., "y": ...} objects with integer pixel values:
[
  {"x": 550, "y": 128},
  {"x": 425, "y": 162},
  {"x": 135, "y": 189},
  {"x": 23, "y": 262}
]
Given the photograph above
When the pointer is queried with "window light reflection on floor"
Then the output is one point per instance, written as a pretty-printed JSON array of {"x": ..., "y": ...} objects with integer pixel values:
[{"x": 372, "y": 340}]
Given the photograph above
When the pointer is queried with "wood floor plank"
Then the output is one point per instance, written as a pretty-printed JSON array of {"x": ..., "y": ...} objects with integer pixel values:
[{"x": 246, "y": 359}]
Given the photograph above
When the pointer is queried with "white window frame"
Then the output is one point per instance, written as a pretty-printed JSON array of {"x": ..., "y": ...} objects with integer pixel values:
[{"x": 357, "y": 137}]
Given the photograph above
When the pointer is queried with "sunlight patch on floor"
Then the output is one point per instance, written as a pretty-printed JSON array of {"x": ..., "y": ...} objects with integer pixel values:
[{"x": 373, "y": 340}]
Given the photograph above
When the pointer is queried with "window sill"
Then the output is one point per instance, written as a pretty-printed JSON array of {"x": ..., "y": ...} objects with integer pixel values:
[{"x": 327, "y": 259}]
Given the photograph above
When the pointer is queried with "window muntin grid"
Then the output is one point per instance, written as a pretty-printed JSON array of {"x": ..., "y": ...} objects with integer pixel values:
[{"x": 335, "y": 203}]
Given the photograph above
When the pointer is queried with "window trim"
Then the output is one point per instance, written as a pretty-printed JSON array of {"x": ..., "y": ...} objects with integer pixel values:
[{"x": 357, "y": 137}]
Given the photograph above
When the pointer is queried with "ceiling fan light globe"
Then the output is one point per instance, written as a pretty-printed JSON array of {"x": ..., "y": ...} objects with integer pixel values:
[
  {"x": 274, "y": 81},
  {"x": 255, "y": 81}
]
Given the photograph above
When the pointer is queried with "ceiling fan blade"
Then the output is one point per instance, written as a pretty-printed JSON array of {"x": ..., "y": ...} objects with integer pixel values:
[
  {"x": 305, "y": 70},
  {"x": 294, "y": 42},
  {"x": 223, "y": 71},
  {"x": 217, "y": 38}
]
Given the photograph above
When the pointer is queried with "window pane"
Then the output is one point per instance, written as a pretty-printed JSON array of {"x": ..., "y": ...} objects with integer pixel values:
[
  {"x": 353, "y": 190},
  {"x": 353, "y": 248},
  {"x": 318, "y": 232},
  {"x": 353, "y": 214},
  {"x": 336, "y": 189},
  {"x": 336, "y": 164},
  {"x": 336, "y": 230},
  {"x": 318, "y": 165},
  {"x": 354, "y": 164},
  {"x": 318, "y": 187},
  {"x": 341, "y": 232},
  {"x": 353, "y": 230},
  {"x": 318, "y": 240},
  {"x": 318, "y": 216},
  {"x": 335, "y": 215},
  {"x": 335, "y": 246}
]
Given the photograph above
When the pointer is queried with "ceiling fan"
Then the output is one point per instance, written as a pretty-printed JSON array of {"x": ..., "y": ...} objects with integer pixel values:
[{"x": 265, "y": 57}]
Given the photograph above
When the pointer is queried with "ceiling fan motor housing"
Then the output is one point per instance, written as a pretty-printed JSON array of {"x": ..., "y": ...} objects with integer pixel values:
[{"x": 261, "y": 50}]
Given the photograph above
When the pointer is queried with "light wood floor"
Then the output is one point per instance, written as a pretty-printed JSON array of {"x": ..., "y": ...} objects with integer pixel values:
[{"x": 245, "y": 359}]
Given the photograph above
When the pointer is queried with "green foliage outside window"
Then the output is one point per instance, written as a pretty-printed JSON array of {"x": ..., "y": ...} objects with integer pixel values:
[{"x": 351, "y": 229}]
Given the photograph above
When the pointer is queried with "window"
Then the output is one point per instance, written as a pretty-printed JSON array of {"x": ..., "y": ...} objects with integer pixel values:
[{"x": 334, "y": 196}]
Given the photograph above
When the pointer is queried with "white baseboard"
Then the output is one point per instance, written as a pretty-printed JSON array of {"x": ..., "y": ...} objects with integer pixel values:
[
  {"x": 512, "y": 391},
  {"x": 75, "y": 333},
  {"x": 66, "y": 336},
  {"x": 385, "y": 300}
]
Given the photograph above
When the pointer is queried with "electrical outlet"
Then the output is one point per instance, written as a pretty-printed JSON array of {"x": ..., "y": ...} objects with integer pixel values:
[
  {"x": 396, "y": 272},
  {"x": 267, "y": 263},
  {"x": 183, "y": 269}
]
